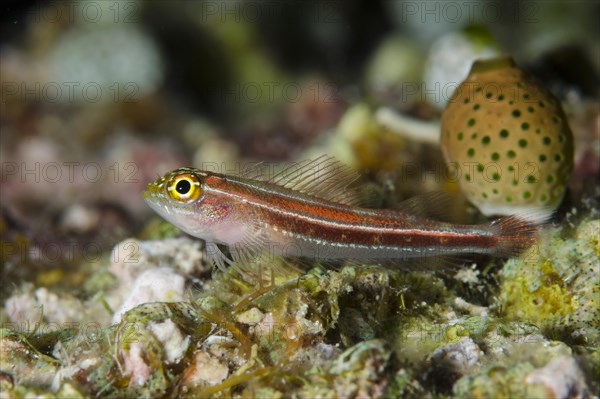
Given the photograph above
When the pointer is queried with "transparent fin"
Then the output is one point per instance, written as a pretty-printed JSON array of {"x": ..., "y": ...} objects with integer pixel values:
[
  {"x": 217, "y": 257},
  {"x": 436, "y": 205},
  {"x": 253, "y": 257},
  {"x": 516, "y": 234},
  {"x": 255, "y": 171},
  {"x": 222, "y": 262},
  {"x": 323, "y": 177}
]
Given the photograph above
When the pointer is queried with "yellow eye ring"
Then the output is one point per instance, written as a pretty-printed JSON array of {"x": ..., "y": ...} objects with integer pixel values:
[{"x": 184, "y": 187}]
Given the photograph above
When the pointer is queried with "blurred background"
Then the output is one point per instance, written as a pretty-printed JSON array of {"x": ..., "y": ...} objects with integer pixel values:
[{"x": 100, "y": 97}]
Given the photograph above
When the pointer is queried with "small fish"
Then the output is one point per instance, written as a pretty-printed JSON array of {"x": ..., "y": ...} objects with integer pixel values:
[{"x": 308, "y": 210}]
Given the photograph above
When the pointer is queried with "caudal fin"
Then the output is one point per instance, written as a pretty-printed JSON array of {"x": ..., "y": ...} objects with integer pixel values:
[{"x": 515, "y": 233}]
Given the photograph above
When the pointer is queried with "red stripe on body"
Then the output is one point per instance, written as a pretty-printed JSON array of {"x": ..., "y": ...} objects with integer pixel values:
[{"x": 315, "y": 218}]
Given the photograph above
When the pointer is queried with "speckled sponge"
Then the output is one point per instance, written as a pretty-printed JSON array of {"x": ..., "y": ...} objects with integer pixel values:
[{"x": 507, "y": 140}]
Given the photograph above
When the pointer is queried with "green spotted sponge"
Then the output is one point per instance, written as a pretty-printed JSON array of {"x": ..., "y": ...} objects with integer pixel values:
[{"x": 507, "y": 140}]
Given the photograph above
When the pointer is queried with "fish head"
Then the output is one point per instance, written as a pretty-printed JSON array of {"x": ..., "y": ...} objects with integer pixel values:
[{"x": 178, "y": 198}]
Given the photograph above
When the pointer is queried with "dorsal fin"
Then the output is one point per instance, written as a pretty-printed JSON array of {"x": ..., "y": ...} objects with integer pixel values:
[
  {"x": 324, "y": 177},
  {"x": 436, "y": 205},
  {"x": 254, "y": 171}
]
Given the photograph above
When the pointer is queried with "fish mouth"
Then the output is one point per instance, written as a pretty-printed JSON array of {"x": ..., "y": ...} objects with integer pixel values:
[
  {"x": 154, "y": 201},
  {"x": 151, "y": 192}
]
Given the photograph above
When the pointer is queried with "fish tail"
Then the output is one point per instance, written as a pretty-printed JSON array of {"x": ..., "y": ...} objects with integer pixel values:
[{"x": 515, "y": 234}]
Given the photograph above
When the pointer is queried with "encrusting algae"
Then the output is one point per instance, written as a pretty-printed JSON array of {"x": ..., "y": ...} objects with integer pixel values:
[
  {"x": 357, "y": 331},
  {"x": 556, "y": 284}
]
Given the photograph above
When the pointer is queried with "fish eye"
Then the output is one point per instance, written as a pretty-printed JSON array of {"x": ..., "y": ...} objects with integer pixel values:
[{"x": 184, "y": 187}]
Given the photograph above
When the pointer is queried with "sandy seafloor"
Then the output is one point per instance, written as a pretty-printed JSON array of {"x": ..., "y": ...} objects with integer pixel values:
[{"x": 102, "y": 298}]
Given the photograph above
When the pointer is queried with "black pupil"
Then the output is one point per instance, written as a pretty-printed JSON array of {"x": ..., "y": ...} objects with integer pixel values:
[{"x": 183, "y": 187}]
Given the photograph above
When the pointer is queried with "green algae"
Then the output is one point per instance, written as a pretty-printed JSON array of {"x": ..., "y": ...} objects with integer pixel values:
[
  {"x": 158, "y": 229},
  {"x": 24, "y": 362},
  {"x": 555, "y": 284},
  {"x": 511, "y": 374},
  {"x": 543, "y": 299},
  {"x": 498, "y": 382},
  {"x": 358, "y": 330}
]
